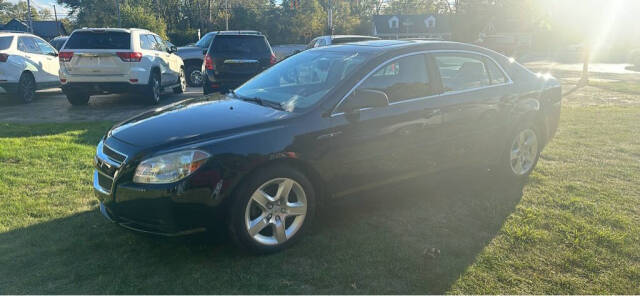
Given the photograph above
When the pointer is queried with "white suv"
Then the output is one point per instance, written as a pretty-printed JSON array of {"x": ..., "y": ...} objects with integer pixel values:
[
  {"x": 27, "y": 63},
  {"x": 106, "y": 60}
]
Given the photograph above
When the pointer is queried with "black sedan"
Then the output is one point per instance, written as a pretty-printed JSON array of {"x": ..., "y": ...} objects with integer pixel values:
[{"x": 325, "y": 123}]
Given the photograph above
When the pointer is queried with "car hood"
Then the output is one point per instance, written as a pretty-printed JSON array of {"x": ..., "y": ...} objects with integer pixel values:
[
  {"x": 194, "y": 119},
  {"x": 183, "y": 49}
]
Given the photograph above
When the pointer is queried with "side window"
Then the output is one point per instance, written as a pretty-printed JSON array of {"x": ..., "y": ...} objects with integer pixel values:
[
  {"x": 27, "y": 44},
  {"x": 461, "y": 71},
  {"x": 146, "y": 42},
  {"x": 45, "y": 48},
  {"x": 159, "y": 44},
  {"x": 496, "y": 75},
  {"x": 402, "y": 79}
]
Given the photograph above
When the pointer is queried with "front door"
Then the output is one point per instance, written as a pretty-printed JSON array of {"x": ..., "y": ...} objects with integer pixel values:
[{"x": 376, "y": 146}]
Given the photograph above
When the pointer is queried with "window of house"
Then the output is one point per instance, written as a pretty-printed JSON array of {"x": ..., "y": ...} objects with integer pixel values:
[
  {"x": 461, "y": 71},
  {"x": 401, "y": 79}
]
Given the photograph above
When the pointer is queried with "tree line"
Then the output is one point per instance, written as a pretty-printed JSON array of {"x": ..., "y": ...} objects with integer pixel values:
[{"x": 283, "y": 21}]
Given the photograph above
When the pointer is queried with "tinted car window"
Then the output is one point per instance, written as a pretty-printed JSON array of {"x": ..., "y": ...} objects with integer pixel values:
[
  {"x": 496, "y": 75},
  {"x": 99, "y": 40},
  {"x": 402, "y": 79},
  {"x": 205, "y": 41},
  {"x": 146, "y": 42},
  {"x": 5, "y": 42},
  {"x": 303, "y": 79},
  {"x": 461, "y": 71},
  {"x": 45, "y": 48},
  {"x": 28, "y": 44},
  {"x": 243, "y": 44}
]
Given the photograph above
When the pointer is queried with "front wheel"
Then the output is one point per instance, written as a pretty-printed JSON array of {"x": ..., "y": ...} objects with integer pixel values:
[
  {"x": 272, "y": 210},
  {"x": 522, "y": 152}
]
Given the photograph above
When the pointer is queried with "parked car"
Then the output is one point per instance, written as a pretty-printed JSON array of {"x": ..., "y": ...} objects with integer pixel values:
[
  {"x": 337, "y": 39},
  {"x": 324, "y": 123},
  {"x": 193, "y": 56},
  {"x": 58, "y": 42},
  {"x": 27, "y": 63},
  {"x": 233, "y": 58},
  {"x": 108, "y": 60},
  {"x": 286, "y": 50}
]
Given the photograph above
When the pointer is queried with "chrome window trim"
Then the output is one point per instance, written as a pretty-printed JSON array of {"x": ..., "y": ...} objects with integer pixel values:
[{"x": 509, "y": 80}]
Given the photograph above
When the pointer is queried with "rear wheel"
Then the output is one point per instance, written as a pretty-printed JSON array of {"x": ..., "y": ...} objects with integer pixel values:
[
  {"x": 521, "y": 153},
  {"x": 77, "y": 98},
  {"x": 153, "y": 89},
  {"x": 26, "y": 88},
  {"x": 194, "y": 75},
  {"x": 272, "y": 209},
  {"x": 183, "y": 83}
]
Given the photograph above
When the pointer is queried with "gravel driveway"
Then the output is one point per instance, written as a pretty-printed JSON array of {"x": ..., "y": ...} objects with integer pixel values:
[{"x": 52, "y": 106}]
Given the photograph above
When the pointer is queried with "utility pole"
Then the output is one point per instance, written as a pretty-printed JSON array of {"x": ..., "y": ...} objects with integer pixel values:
[
  {"x": 226, "y": 19},
  {"x": 118, "y": 10},
  {"x": 330, "y": 18},
  {"x": 55, "y": 14},
  {"x": 29, "y": 16}
]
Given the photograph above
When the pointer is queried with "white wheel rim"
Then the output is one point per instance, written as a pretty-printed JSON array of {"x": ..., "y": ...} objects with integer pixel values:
[
  {"x": 523, "y": 153},
  {"x": 276, "y": 211}
]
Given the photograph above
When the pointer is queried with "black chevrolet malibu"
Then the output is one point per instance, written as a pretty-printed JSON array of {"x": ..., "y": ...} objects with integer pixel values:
[{"x": 324, "y": 123}]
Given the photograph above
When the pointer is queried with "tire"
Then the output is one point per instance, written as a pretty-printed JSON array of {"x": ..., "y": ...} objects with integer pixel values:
[
  {"x": 153, "y": 89},
  {"x": 206, "y": 89},
  {"x": 183, "y": 84},
  {"x": 521, "y": 152},
  {"x": 276, "y": 225},
  {"x": 77, "y": 98},
  {"x": 26, "y": 91},
  {"x": 194, "y": 75}
]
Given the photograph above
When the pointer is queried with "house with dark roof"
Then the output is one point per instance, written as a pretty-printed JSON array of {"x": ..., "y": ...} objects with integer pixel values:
[
  {"x": 45, "y": 29},
  {"x": 412, "y": 26}
]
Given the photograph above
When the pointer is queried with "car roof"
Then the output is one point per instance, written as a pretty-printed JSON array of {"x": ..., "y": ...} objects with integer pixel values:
[
  {"x": 126, "y": 30},
  {"x": 14, "y": 33},
  {"x": 386, "y": 46}
]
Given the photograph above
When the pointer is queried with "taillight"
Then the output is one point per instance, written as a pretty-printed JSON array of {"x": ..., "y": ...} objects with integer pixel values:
[
  {"x": 208, "y": 62},
  {"x": 273, "y": 59},
  {"x": 65, "y": 56},
  {"x": 131, "y": 57}
]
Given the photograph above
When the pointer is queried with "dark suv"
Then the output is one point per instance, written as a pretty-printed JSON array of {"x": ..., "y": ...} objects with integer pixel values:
[{"x": 233, "y": 58}]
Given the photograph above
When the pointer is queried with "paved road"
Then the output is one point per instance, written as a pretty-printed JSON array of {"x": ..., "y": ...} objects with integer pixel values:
[{"x": 52, "y": 106}]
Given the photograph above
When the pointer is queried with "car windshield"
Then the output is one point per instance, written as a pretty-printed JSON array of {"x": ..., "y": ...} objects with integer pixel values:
[
  {"x": 99, "y": 40},
  {"x": 5, "y": 42},
  {"x": 303, "y": 79}
]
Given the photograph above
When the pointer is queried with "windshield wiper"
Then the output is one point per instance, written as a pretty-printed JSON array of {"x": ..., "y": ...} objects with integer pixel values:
[{"x": 258, "y": 101}]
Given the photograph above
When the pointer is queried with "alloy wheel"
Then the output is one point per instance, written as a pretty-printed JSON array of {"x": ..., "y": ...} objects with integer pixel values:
[
  {"x": 195, "y": 77},
  {"x": 524, "y": 150},
  {"x": 276, "y": 211}
]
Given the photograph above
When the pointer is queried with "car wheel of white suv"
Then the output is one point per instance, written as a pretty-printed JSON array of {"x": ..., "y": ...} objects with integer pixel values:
[
  {"x": 183, "y": 83},
  {"x": 26, "y": 88},
  {"x": 153, "y": 89}
]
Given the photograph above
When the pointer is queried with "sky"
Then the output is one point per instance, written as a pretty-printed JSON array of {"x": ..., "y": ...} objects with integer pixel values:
[{"x": 40, "y": 4}]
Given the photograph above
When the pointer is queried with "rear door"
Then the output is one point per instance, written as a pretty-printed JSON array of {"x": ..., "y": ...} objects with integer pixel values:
[
  {"x": 240, "y": 55},
  {"x": 95, "y": 53}
]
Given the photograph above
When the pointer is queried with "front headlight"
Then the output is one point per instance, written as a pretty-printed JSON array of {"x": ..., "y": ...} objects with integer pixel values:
[{"x": 170, "y": 167}]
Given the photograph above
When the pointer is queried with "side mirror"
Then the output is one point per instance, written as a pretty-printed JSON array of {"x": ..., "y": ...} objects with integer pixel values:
[
  {"x": 204, "y": 51},
  {"x": 173, "y": 49},
  {"x": 54, "y": 54},
  {"x": 365, "y": 98}
]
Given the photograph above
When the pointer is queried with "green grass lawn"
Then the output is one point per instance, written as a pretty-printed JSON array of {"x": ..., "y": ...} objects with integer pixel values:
[{"x": 573, "y": 228}]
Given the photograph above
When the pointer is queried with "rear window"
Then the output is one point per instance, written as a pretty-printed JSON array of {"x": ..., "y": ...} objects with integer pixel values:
[
  {"x": 99, "y": 40},
  {"x": 239, "y": 44},
  {"x": 5, "y": 42}
]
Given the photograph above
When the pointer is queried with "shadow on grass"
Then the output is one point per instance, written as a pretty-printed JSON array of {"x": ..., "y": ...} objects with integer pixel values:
[
  {"x": 414, "y": 237},
  {"x": 89, "y": 133}
]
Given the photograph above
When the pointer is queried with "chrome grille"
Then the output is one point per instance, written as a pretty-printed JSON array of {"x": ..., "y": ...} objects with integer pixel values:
[
  {"x": 105, "y": 182},
  {"x": 113, "y": 155}
]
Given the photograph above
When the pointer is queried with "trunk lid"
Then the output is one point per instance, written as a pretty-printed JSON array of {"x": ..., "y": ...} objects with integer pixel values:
[{"x": 95, "y": 52}]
